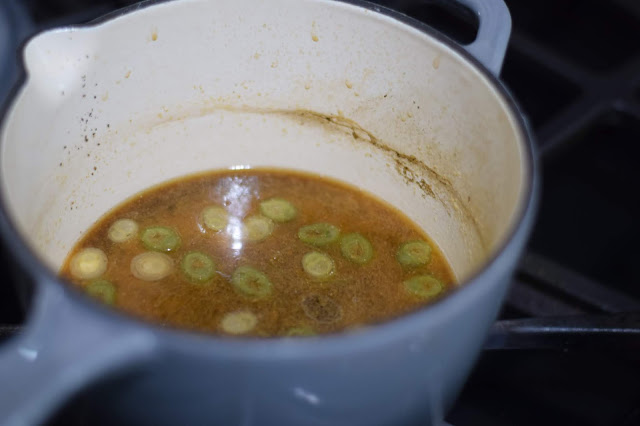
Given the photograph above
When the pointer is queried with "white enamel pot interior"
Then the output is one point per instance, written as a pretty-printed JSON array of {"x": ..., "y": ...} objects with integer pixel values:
[{"x": 328, "y": 87}]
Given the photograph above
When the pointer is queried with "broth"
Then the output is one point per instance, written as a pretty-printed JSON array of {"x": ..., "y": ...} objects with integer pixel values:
[{"x": 259, "y": 253}]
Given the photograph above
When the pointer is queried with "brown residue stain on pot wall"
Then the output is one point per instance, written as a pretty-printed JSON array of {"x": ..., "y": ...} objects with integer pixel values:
[
  {"x": 410, "y": 168},
  {"x": 314, "y": 32},
  {"x": 404, "y": 164},
  {"x": 413, "y": 170},
  {"x": 436, "y": 62}
]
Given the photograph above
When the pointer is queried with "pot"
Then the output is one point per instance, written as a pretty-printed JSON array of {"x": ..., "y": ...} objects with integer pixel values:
[{"x": 347, "y": 90}]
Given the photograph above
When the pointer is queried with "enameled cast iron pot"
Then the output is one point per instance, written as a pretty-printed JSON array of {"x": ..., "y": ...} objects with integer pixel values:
[{"x": 342, "y": 89}]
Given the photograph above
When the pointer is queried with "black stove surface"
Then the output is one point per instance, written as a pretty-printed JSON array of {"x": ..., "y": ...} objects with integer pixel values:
[{"x": 574, "y": 66}]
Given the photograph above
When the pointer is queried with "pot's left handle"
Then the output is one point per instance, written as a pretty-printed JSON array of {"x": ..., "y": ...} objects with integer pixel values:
[{"x": 64, "y": 347}]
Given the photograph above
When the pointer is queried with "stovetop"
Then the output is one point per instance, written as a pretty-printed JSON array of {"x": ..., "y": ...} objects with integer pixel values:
[{"x": 572, "y": 356}]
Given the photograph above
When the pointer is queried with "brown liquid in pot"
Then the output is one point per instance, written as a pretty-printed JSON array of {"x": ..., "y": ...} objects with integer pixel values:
[{"x": 354, "y": 295}]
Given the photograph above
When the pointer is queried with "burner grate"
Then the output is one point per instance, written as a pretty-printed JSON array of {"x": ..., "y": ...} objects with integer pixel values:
[{"x": 585, "y": 32}]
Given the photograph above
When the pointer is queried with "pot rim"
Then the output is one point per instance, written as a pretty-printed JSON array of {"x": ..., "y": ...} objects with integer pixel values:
[{"x": 285, "y": 348}]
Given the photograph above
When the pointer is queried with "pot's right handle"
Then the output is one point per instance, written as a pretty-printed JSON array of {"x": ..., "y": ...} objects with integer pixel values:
[
  {"x": 65, "y": 346},
  {"x": 491, "y": 42}
]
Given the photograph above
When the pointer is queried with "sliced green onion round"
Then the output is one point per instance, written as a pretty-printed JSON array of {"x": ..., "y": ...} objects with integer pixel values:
[
  {"x": 319, "y": 234},
  {"x": 239, "y": 322},
  {"x": 88, "y": 263},
  {"x": 198, "y": 267},
  {"x": 257, "y": 228},
  {"x": 356, "y": 248},
  {"x": 215, "y": 218},
  {"x": 318, "y": 265},
  {"x": 321, "y": 308},
  {"x": 278, "y": 210},
  {"x": 151, "y": 266},
  {"x": 160, "y": 238},
  {"x": 102, "y": 290},
  {"x": 414, "y": 253},
  {"x": 423, "y": 286},
  {"x": 251, "y": 282},
  {"x": 122, "y": 230}
]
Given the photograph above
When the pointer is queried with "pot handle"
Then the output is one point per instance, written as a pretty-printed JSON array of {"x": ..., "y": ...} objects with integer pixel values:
[
  {"x": 490, "y": 45},
  {"x": 64, "y": 347}
]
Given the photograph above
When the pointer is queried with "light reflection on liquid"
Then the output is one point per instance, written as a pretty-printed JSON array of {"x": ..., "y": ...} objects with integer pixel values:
[
  {"x": 240, "y": 167},
  {"x": 234, "y": 229},
  {"x": 237, "y": 193}
]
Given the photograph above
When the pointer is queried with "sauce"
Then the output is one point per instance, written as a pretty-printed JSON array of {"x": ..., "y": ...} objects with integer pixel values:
[{"x": 258, "y": 253}]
